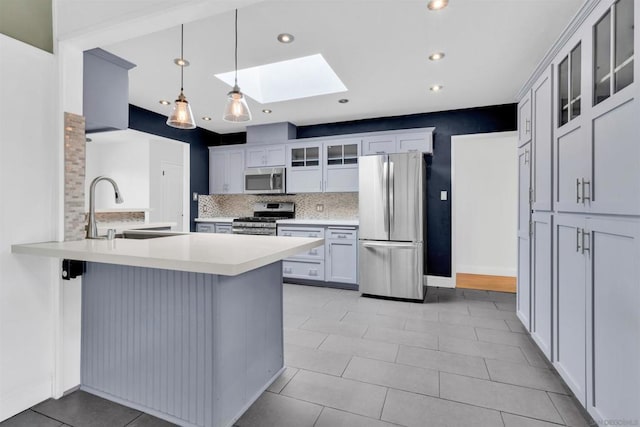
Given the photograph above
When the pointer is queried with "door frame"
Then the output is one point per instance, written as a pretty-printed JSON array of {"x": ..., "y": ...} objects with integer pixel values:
[{"x": 454, "y": 139}]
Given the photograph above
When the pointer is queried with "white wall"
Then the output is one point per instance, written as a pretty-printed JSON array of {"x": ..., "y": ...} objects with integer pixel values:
[
  {"x": 484, "y": 171},
  {"x": 29, "y": 194},
  {"x": 125, "y": 159}
]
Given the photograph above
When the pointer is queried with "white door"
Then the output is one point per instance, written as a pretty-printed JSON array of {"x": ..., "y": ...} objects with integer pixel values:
[{"x": 172, "y": 194}]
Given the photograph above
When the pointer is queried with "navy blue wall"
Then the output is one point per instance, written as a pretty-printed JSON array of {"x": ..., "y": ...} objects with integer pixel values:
[
  {"x": 498, "y": 118},
  {"x": 198, "y": 139}
]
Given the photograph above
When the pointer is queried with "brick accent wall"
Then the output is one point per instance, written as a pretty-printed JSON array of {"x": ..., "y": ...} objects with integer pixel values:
[{"x": 74, "y": 176}]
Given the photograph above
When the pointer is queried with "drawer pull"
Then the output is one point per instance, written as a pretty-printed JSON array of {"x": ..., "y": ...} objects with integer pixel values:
[
  {"x": 342, "y": 236},
  {"x": 313, "y": 272}
]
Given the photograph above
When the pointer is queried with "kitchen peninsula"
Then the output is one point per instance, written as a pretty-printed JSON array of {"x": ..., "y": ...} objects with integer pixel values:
[{"x": 187, "y": 327}]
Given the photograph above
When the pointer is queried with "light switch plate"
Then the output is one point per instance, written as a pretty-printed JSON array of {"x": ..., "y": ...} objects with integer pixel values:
[
  {"x": 195, "y": 196},
  {"x": 443, "y": 195}
]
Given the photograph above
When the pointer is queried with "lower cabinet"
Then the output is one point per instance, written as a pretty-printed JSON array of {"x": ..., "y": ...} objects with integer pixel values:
[
  {"x": 597, "y": 295},
  {"x": 214, "y": 227},
  {"x": 336, "y": 261},
  {"x": 341, "y": 255},
  {"x": 541, "y": 281}
]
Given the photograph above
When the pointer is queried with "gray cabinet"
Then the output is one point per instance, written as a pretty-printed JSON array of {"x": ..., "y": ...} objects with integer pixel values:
[
  {"x": 523, "y": 301},
  {"x": 341, "y": 254},
  {"x": 265, "y": 156},
  {"x": 613, "y": 298},
  {"x": 341, "y": 165},
  {"x": 542, "y": 143},
  {"x": 304, "y": 167},
  {"x": 399, "y": 142},
  {"x": 306, "y": 265},
  {"x": 541, "y": 281},
  {"x": 214, "y": 227},
  {"x": 571, "y": 297},
  {"x": 226, "y": 171},
  {"x": 597, "y": 291},
  {"x": 588, "y": 322},
  {"x": 524, "y": 120},
  {"x": 334, "y": 262},
  {"x": 205, "y": 227}
]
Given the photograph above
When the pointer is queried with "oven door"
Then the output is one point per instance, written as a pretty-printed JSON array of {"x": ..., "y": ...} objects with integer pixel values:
[{"x": 264, "y": 181}]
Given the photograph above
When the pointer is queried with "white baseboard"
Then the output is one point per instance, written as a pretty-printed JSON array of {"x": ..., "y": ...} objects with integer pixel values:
[
  {"x": 16, "y": 401},
  {"x": 442, "y": 282}
]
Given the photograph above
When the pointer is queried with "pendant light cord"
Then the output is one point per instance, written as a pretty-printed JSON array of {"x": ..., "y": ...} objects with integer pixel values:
[
  {"x": 236, "y": 49},
  {"x": 182, "y": 57}
]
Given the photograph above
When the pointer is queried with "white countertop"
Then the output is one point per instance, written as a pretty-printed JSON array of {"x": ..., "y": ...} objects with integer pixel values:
[
  {"x": 121, "y": 226},
  {"x": 226, "y": 254},
  {"x": 327, "y": 222},
  {"x": 216, "y": 219}
]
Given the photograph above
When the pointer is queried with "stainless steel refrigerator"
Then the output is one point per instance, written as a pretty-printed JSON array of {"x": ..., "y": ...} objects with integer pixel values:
[{"x": 392, "y": 229}]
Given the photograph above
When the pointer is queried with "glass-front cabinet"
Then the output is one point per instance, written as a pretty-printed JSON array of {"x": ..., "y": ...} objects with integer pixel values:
[
  {"x": 304, "y": 167},
  {"x": 569, "y": 79},
  {"x": 613, "y": 51},
  {"x": 341, "y": 165}
]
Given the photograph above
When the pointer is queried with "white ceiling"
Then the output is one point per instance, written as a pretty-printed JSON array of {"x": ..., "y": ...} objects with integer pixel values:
[{"x": 379, "y": 50}]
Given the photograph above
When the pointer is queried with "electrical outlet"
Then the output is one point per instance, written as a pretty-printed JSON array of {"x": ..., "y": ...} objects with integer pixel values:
[
  {"x": 195, "y": 196},
  {"x": 443, "y": 195},
  {"x": 319, "y": 207}
]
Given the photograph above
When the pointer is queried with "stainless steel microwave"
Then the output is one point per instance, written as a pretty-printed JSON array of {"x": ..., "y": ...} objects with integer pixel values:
[{"x": 264, "y": 180}]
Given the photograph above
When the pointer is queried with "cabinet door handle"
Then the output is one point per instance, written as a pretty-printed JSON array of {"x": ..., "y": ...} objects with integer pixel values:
[
  {"x": 585, "y": 184},
  {"x": 578, "y": 190},
  {"x": 320, "y": 185},
  {"x": 578, "y": 233},
  {"x": 527, "y": 127},
  {"x": 526, "y": 157},
  {"x": 585, "y": 248},
  {"x": 342, "y": 236},
  {"x": 530, "y": 196},
  {"x": 380, "y": 152}
]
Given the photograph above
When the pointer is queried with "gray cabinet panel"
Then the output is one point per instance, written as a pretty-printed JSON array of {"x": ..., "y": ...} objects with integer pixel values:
[
  {"x": 342, "y": 259},
  {"x": 542, "y": 147},
  {"x": 616, "y": 156},
  {"x": 614, "y": 280},
  {"x": 524, "y": 120},
  {"x": 523, "y": 297},
  {"x": 571, "y": 170},
  {"x": 541, "y": 281},
  {"x": 571, "y": 295}
]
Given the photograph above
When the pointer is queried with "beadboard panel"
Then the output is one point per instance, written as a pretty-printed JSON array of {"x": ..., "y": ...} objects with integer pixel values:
[{"x": 191, "y": 348}]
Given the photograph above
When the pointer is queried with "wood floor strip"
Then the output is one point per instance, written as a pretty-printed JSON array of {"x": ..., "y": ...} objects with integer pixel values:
[{"x": 485, "y": 282}]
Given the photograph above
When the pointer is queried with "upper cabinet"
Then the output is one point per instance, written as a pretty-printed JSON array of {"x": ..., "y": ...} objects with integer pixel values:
[
  {"x": 542, "y": 143},
  {"x": 569, "y": 85},
  {"x": 265, "y": 156},
  {"x": 524, "y": 120},
  {"x": 341, "y": 165},
  {"x": 105, "y": 100},
  {"x": 613, "y": 51},
  {"x": 226, "y": 170},
  {"x": 404, "y": 142},
  {"x": 304, "y": 167}
]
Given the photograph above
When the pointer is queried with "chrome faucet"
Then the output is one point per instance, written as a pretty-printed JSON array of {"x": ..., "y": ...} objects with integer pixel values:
[{"x": 92, "y": 228}]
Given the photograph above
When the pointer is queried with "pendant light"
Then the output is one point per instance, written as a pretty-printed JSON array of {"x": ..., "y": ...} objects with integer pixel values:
[
  {"x": 181, "y": 117},
  {"x": 236, "y": 109}
]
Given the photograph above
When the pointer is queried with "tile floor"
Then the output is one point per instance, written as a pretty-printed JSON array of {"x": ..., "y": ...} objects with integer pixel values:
[{"x": 460, "y": 359}]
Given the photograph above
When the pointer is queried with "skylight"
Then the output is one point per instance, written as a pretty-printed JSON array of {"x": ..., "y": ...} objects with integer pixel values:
[{"x": 287, "y": 80}]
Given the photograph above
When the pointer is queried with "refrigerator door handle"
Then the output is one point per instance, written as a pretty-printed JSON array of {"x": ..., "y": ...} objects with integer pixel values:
[
  {"x": 385, "y": 202},
  {"x": 391, "y": 194}
]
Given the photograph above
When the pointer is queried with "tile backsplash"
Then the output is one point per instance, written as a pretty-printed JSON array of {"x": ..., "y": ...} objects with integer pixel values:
[{"x": 334, "y": 205}]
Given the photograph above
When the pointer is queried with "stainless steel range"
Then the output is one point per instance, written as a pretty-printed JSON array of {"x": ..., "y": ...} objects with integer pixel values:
[{"x": 263, "y": 221}]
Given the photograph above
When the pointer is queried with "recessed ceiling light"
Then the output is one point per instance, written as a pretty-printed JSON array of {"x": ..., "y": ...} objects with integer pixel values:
[
  {"x": 181, "y": 62},
  {"x": 436, "y": 56},
  {"x": 164, "y": 102},
  {"x": 437, "y": 4},
  {"x": 285, "y": 38},
  {"x": 206, "y": 118},
  {"x": 343, "y": 100},
  {"x": 436, "y": 88},
  {"x": 267, "y": 111}
]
